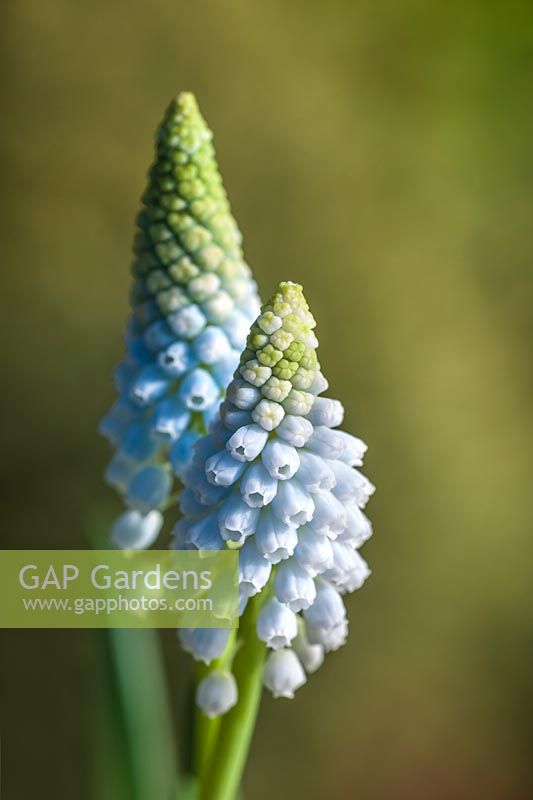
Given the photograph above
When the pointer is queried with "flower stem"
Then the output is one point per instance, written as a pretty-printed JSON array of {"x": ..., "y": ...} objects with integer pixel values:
[
  {"x": 206, "y": 734},
  {"x": 224, "y": 775}
]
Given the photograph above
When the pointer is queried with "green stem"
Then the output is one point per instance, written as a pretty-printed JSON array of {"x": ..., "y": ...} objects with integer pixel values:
[
  {"x": 223, "y": 778},
  {"x": 206, "y": 734}
]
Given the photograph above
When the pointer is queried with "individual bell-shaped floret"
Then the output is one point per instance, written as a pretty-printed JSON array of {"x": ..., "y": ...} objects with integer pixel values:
[
  {"x": 276, "y": 625},
  {"x": 311, "y": 655},
  {"x": 283, "y": 673},
  {"x": 254, "y": 569},
  {"x": 136, "y": 531},
  {"x": 294, "y": 586},
  {"x": 204, "y": 644},
  {"x": 216, "y": 693}
]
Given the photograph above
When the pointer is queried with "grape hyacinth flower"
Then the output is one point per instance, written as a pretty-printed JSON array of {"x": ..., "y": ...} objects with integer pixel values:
[
  {"x": 278, "y": 480},
  {"x": 193, "y": 300}
]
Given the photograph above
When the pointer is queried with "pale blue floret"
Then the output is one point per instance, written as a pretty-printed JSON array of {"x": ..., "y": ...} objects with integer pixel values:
[
  {"x": 283, "y": 673},
  {"x": 314, "y": 473},
  {"x": 293, "y": 505},
  {"x": 149, "y": 488},
  {"x": 112, "y": 427},
  {"x": 198, "y": 390},
  {"x": 319, "y": 384},
  {"x": 325, "y": 443},
  {"x": 190, "y": 505},
  {"x": 349, "y": 570},
  {"x": 136, "y": 531},
  {"x": 254, "y": 569},
  {"x": 234, "y": 417},
  {"x": 158, "y": 336},
  {"x": 212, "y": 345},
  {"x": 170, "y": 418},
  {"x": 216, "y": 693},
  {"x": 180, "y": 451},
  {"x": 247, "y": 442},
  {"x": 311, "y": 655},
  {"x": 350, "y": 484},
  {"x": 223, "y": 370},
  {"x": 354, "y": 449},
  {"x": 205, "y": 492},
  {"x": 137, "y": 443},
  {"x": 358, "y": 527},
  {"x": 242, "y": 395},
  {"x": 258, "y": 488},
  {"x": 236, "y": 520},
  {"x": 295, "y": 430},
  {"x": 204, "y": 644},
  {"x": 326, "y": 411},
  {"x": 205, "y": 447},
  {"x": 314, "y": 551},
  {"x": 280, "y": 459},
  {"x": 121, "y": 413},
  {"x": 119, "y": 471},
  {"x": 294, "y": 586},
  {"x": 205, "y": 534},
  {"x": 276, "y": 625},
  {"x": 222, "y": 469},
  {"x": 329, "y": 516},
  {"x": 123, "y": 377},
  {"x": 149, "y": 385},
  {"x": 176, "y": 359},
  {"x": 219, "y": 433},
  {"x": 330, "y": 638},
  {"x": 275, "y": 540},
  {"x": 328, "y": 610},
  {"x": 137, "y": 354}
]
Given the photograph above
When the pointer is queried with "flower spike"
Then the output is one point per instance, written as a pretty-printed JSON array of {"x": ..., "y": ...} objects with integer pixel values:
[
  {"x": 193, "y": 300},
  {"x": 284, "y": 489}
]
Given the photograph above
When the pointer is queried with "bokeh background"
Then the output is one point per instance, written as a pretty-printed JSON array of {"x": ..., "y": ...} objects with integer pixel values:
[{"x": 381, "y": 154}]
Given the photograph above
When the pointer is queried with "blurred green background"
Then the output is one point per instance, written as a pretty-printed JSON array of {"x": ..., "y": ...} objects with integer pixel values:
[{"x": 380, "y": 153}]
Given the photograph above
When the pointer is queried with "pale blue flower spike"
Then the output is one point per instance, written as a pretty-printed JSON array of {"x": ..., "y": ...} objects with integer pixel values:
[
  {"x": 277, "y": 479},
  {"x": 193, "y": 301}
]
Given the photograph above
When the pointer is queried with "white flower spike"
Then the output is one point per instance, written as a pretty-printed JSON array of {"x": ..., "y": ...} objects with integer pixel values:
[{"x": 292, "y": 499}]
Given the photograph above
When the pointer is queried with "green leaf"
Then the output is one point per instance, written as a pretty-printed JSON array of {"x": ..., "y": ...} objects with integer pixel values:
[{"x": 135, "y": 749}]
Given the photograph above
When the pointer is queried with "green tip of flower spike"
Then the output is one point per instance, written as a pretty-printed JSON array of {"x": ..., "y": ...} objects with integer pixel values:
[
  {"x": 280, "y": 350},
  {"x": 185, "y": 226}
]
